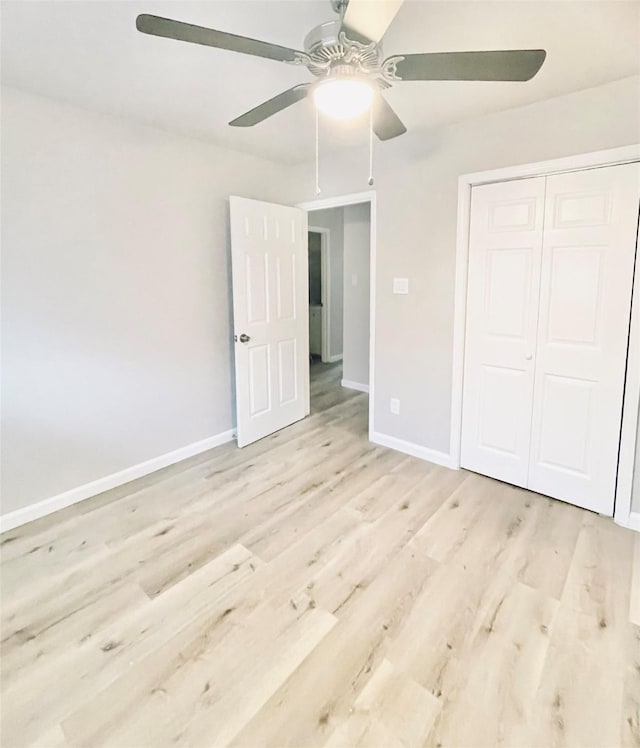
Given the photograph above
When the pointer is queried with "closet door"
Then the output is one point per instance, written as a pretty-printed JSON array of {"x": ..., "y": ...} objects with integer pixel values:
[
  {"x": 502, "y": 313},
  {"x": 589, "y": 245}
]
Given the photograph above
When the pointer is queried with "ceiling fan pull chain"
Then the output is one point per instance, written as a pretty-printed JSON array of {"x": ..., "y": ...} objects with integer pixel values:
[
  {"x": 371, "y": 146},
  {"x": 317, "y": 153}
]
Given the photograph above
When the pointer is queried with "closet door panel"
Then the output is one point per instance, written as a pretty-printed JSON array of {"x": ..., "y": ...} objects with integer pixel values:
[
  {"x": 585, "y": 301},
  {"x": 502, "y": 311}
]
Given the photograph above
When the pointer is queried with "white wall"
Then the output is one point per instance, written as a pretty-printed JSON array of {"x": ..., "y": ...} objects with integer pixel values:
[
  {"x": 416, "y": 232},
  {"x": 357, "y": 249},
  {"x": 333, "y": 220},
  {"x": 116, "y": 339},
  {"x": 635, "y": 491},
  {"x": 115, "y": 289}
]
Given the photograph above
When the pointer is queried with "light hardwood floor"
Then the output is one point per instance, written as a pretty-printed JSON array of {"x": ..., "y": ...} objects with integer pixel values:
[{"x": 314, "y": 589}]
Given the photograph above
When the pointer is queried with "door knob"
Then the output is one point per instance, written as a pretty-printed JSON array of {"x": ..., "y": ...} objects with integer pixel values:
[
  {"x": 528, "y": 357},
  {"x": 244, "y": 338}
]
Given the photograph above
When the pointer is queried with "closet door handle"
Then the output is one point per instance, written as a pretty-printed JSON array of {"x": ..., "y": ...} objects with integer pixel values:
[{"x": 528, "y": 356}]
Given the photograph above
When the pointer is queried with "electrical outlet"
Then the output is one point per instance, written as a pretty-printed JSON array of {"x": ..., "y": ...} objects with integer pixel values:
[{"x": 394, "y": 406}]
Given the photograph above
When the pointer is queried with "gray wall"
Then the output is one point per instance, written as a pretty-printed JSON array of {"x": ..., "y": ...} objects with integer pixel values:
[
  {"x": 333, "y": 220},
  {"x": 416, "y": 232},
  {"x": 115, "y": 288},
  {"x": 357, "y": 240}
]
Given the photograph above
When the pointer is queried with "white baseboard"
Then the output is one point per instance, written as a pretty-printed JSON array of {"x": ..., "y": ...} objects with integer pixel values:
[
  {"x": 351, "y": 385},
  {"x": 333, "y": 359},
  {"x": 415, "y": 450},
  {"x": 632, "y": 522},
  {"x": 47, "y": 506}
]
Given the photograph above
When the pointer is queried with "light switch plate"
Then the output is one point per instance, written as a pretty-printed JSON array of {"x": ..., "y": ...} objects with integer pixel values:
[{"x": 401, "y": 285}]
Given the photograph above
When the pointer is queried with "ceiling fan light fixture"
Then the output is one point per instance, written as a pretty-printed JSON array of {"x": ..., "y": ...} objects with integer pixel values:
[{"x": 343, "y": 98}]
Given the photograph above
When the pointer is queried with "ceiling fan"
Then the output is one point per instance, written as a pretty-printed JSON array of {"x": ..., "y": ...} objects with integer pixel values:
[{"x": 345, "y": 55}]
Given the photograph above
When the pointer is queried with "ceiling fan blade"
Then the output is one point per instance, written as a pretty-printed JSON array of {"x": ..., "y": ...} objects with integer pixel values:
[
  {"x": 506, "y": 65},
  {"x": 371, "y": 18},
  {"x": 386, "y": 123},
  {"x": 272, "y": 106},
  {"x": 187, "y": 32}
]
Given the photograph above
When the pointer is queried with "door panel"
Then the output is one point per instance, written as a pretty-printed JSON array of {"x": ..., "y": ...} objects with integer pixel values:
[
  {"x": 585, "y": 300},
  {"x": 270, "y": 289},
  {"x": 286, "y": 287},
  {"x": 575, "y": 295},
  {"x": 565, "y": 400},
  {"x": 500, "y": 409},
  {"x": 507, "y": 297},
  {"x": 502, "y": 315},
  {"x": 288, "y": 371},
  {"x": 259, "y": 379}
]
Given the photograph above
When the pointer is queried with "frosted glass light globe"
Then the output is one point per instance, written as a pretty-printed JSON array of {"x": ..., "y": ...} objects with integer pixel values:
[{"x": 343, "y": 98}]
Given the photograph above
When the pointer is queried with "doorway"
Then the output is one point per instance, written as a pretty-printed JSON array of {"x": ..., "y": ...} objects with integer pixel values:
[
  {"x": 269, "y": 248},
  {"x": 339, "y": 302}
]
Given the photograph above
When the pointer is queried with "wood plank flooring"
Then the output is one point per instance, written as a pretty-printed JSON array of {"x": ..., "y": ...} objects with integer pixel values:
[{"x": 314, "y": 589}]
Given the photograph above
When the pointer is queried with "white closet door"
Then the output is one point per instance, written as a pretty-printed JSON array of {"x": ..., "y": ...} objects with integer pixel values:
[
  {"x": 586, "y": 283},
  {"x": 502, "y": 314}
]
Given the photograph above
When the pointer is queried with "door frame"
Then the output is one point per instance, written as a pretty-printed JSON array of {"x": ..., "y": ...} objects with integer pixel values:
[
  {"x": 610, "y": 157},
  {"x": 342, "y": 201},
  {"x": 325, "y": 282}
]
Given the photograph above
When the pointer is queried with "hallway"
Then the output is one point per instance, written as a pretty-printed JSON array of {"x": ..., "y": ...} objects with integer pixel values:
[{"x": 326, "y": 391}]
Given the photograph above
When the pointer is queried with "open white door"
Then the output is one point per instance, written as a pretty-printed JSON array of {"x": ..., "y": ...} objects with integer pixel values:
[{"x": 271, "y": 316}]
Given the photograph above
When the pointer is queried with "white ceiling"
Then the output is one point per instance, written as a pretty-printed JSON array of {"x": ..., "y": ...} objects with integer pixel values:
[{"x": 89, "y": 53}]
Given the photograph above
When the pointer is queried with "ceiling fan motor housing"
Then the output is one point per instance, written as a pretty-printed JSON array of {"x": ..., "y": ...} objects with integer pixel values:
[{"x": 329, "y": 51}]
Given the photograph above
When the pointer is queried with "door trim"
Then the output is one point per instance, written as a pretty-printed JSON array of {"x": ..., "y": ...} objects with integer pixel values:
[
  {"x": 579, "y": 162},
  {"x": 340, "y": 202},
  {"x": 325, "y": 282}
]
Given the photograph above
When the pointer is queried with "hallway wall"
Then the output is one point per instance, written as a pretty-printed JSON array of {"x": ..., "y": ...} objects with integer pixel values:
[{"x": 357, "y": 262}]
